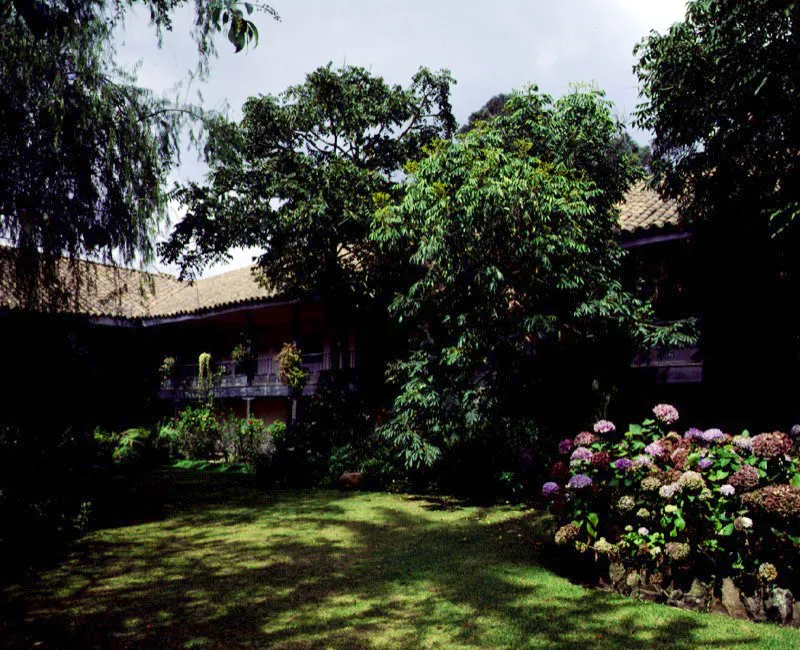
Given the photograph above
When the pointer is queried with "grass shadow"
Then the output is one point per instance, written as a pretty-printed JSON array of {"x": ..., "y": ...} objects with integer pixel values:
[{"x": 230, "y": 566}]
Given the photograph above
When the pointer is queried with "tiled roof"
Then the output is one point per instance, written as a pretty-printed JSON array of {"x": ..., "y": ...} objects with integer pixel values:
[
  {"x": 95, "y": 289},
  {"x": 236, "y": 287},
  {"x": 99, "y": 290},
  {"x": 643, "y": 209}
]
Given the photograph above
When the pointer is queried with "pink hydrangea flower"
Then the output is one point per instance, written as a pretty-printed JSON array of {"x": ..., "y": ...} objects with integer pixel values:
[
  {"x": 666, "y": 413},
  {"x": 654, "y": 449},
  {"x": 604, "y": 426},
  {"x": 582, "y": 454}
]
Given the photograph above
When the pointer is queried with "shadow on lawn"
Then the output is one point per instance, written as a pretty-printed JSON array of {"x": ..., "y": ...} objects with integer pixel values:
[{"x": 194, "y": 582}]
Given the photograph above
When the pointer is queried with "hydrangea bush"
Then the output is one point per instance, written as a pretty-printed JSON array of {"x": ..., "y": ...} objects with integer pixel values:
[{"x": 675, "y": 506}]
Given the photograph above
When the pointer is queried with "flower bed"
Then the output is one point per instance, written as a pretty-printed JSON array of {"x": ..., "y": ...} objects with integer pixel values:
[{"x": 701, "y": 519}]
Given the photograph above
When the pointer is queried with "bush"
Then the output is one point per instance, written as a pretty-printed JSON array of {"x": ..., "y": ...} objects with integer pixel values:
[
  {"x": 134, "y": 448},
  {"x": 675, "y": 507},
  {"x": 169, "y": 441},
  {"x": 246, "y": 440},
  {"x": 105, "y": 443},
  {"x": 198, "y": 432}
]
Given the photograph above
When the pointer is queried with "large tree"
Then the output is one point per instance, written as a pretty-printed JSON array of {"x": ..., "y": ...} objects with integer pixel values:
[
  {"x": 299, "y": 176},
  {"x": 84, "y": 150},
  {"x": 512, "y": 232},
  {"x": 720, "y": 92}
]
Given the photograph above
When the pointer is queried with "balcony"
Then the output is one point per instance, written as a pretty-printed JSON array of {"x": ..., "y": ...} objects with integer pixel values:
[{"x": 265, "y": 382}]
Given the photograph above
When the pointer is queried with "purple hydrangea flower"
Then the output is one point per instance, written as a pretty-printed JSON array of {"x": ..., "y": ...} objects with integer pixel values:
[
  {"x": 564, "y": 446},
  {"x": 727, "y": 490},
  {"x": 795, "y": 431},
  {"x": 584, "y": 439},
  {"x": 643, "y": 460},
  {"x": 693, "y": 434},
  {"x": 582, "y": 454},
  {"x": 623, "y": 464},
  {"x": 550, "y": 489},
  {"x": 743, "y": 442},
  {"x": 579, "y": 482},
  {"x": 712, "y": 435},
  {"x": 666, "y": 413},
  {"x": 654, "y": 449},
  {"x": 604, "y": 426},
  {"x": 705, "y": 463},
  {"x": 643, "y": 531}
]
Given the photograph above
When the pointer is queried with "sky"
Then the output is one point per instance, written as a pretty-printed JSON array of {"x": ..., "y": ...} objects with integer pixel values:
[{"x": 489, "y": 47}]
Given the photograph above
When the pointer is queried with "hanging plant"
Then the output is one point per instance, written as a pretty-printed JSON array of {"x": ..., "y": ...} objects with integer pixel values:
[
  {"x": 290, "y": 368},
  {"x": 242, "y": 353},
  {"x": 204, "y": 369},
  {"x": 168, "y": 367}
]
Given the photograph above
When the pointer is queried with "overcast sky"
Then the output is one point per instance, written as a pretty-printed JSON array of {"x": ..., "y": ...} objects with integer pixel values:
[{"x": 489, "y": 47}]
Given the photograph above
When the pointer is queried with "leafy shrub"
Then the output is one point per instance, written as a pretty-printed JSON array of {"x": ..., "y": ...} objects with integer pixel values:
[
  {"x": 105, "y": 443},
  {"x": 169, "y": 441},
  {"x": 45, "y": 490},
  {"x": 246, "y": 440},
  {"x": 702, "y": 504},
  {"x": 290, "y": 368},
  {"x": 198, "y": 432},
  {"x": 134, "y": 448}
]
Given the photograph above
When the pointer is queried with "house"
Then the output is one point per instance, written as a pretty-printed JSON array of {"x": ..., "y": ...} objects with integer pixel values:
[{"x": 109, "y": 335}]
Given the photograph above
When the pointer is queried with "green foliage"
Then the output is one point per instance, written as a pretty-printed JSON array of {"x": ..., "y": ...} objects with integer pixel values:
[
  {"x": 720, "y": 92},
  {"x": 105, "y": 443},
  {"x": 198, "y": 430},
  {"x": 169, "y": 440},
  {"x": 511, "y": 232},
  {"x": 85, "y": 151},
  {"x": 168, "y": 367},
  {"x": 495, "y": 106},
  {"x": 298, "y": 174},
  {"x": 134, "y": 448},
  {"x": 705, "y": 505},
  {"x": 736, "y": 134},
  {"x": 290, "y": 368},
  {"x": 246, "y": 440},
  {"x": 277, "y": 431},
  {"x": 242, "y": 354},
  {"x": 205, "y": 378}
]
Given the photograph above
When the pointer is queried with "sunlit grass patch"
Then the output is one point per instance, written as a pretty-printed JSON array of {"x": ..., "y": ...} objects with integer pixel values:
[{"x": 230, "y": 566}]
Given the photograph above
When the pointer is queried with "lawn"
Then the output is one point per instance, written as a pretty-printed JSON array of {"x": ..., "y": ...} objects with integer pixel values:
[{"x": 229, "y": 566}]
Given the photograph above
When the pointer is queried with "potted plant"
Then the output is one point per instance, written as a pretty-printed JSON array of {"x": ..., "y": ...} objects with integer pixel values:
[
  {"x": 168, "y": 369},
  {"x": 244, "y": 359}
]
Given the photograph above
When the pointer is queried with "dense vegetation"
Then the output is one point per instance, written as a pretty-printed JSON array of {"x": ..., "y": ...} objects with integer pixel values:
[
  {"x": 85, "y": 151},
  {"x": 719, "y": 92},
  {"x": 669, "y": 511}
]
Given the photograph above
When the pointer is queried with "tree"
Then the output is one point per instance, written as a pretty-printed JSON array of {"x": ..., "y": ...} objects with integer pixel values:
[
  {"x": 512, "y": 232},
  {"x": 720, "y": 91},
  {"x": 85, "y": 152},
  {"x": 299, "y": 176},
  {"x": 495, "y": 106}
]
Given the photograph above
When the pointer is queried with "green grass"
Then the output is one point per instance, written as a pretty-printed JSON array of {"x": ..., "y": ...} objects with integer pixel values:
[
  {"x": 229, "y": 566},
  {"x": 213, "y": 467}
]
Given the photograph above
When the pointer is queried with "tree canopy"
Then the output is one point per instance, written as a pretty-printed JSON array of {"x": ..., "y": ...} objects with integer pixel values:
[
  {"x": 85, "y": 151},
  {"x": 720, "y": 92},
  {"x": 512, "y": 231},
  {"x": 298, "y": 176}
]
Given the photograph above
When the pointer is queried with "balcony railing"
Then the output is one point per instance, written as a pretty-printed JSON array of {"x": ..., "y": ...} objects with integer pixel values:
[{"x": 229, "y": 374}]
